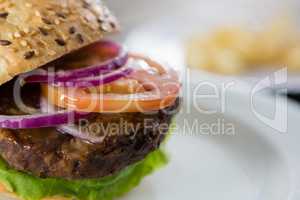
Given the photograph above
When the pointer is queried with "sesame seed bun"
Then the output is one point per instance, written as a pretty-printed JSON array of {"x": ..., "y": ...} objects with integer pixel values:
[{"x": 36, "y": 32}]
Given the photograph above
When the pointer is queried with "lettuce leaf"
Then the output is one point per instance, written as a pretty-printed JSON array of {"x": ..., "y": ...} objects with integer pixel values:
[{"x": 30, "y": 187}]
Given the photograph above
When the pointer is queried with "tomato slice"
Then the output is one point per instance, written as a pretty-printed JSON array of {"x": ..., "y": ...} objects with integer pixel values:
[
  {"x": 122, "y": 86},
  {"x": 153, "y": 90}
]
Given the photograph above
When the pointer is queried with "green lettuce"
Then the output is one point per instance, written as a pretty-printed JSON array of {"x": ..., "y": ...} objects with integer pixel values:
[{"x": 30, "y": 187}]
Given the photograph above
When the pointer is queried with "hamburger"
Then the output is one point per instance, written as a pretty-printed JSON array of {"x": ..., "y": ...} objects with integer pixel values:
[{"x": 80, "y": 116}]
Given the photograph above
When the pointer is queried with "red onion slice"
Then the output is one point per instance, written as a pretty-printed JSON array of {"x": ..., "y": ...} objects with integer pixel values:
[
  {"x": 42, "y": 76},
  {"x": 95, "y": 81},
  {"x": 70, "y": 129},
  {"x": 39, "y": 120}
]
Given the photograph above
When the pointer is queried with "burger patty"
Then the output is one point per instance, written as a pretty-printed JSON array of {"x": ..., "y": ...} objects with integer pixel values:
[{"x": 45, "y": 152}]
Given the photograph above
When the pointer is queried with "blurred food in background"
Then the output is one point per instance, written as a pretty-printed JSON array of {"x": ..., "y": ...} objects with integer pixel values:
[{"x": 237, "y": 49}]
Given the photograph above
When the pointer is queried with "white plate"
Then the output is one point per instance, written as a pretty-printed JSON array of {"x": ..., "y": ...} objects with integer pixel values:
[{"x": 258, "y": 162}]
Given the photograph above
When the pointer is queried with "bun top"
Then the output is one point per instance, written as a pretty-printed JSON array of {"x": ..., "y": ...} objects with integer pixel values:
[{"x": 36, "y": 32}]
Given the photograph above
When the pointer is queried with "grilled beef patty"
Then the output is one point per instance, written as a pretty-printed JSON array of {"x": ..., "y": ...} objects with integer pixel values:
[{"x": 45, "y": 152}]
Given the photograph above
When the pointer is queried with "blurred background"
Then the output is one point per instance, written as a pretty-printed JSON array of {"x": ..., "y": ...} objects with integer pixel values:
[
  {"x": 242, "y": 38},
  {"x": 253, "y": 44}
]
